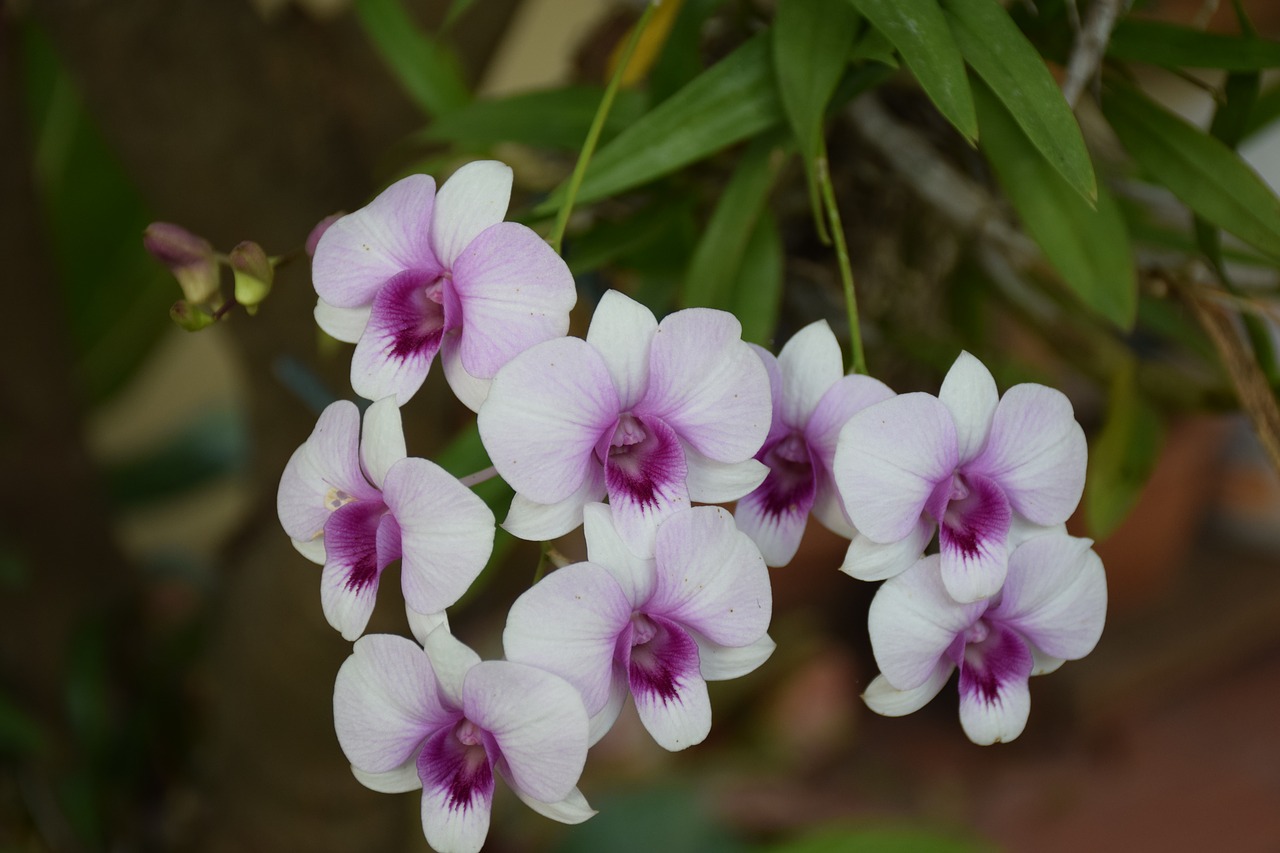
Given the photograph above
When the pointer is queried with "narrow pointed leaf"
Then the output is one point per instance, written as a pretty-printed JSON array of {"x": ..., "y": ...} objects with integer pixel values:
[
  {"x": 919, "y": 31},
  {"x": 550, "y": 118},
  {"x": 757, "y": 291},
  {"x": 1088, "y": 246},
  {"x": 427, "y": 71},
  {"x": 1122, "y": 457},
  {"x": 811, "y": 42},
  {"x": 1172, "y": 46},
  {"x": 992, "y": 43}
]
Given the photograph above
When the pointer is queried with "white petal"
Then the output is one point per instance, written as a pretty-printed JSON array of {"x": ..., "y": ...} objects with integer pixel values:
[
  {"x": 622, "y": 331},
  {"x": 602, "y": 721},
  {"x": 422, "y": 624},
  {"x": 451, "y": 660},
  {"x": 1055, "y": 595},
  {"x": 469, "y": 390},
  {"x": 344, "y": 324},
  {"x": 669, "y": 691},
  {"x": 712, "y": 482},
  {"x": 544, "y": 522},
  {"x": 382, "y": 441},
  {"x": 312, "y": 549},
  {"x": 453, "y": 827},
  {"x": 474, "y": 198},
  {"x": 810, "y": 364},
  {"x": 871, "y": 561},
  {"x": 573, "y": 809},
  {"x": 994, "y": 699},
  {"x": 776, "y": 526},
  {"x": 634, "y": 574},
  {"x": 721, "y": 663},
  {"x": 970, "y": 393},
  {"x": 325, "y": 465},
  {"x": 843, "y": 400},
  {"x": 397, "y": 781},
  {"x": 887, "y": 700}
]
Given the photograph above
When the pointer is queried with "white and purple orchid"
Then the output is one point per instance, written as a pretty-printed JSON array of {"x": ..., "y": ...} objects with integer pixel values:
[
  {"x": 968, "y": 462},
  {"x": 418, "y": 272},
  {"x": 652, "y": 414},
  {"x": 1051, "y": 609},
  {"x": 356, "y": 504},
  {"x": 657, "y": 629},
  {"x": 442, "y": 720},
  {"x": 812, "y": 400}
]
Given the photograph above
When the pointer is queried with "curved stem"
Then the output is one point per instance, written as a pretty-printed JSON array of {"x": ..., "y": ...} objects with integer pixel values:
[{"x": 857, "y": 360}]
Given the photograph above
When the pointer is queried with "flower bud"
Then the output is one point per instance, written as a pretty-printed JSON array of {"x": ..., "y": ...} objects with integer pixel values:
[
  {"x": 313, "y": 239},
  {"x": 191, "y": 259},
  {"x": 193, "y": 318},
  {"x": 253, "y": 272}
]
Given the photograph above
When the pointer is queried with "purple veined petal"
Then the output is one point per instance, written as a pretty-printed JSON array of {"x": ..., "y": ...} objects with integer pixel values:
[
  {"x": 973, "y": 537},
  {"x": 622, "y": 331},
  {"x": 457, "y": 789},
  {"x": 469, "y": 390},
  {"x": 1036, "y": 453},
  {"x": 343, "y": 324},
  {"x": 644, "y": 474},
  {"x": 721, "y": 663},
  {"x": 994, "y": 699},
  {"x": 474, "y": 198},
  {"x": 543, "y": 522},
  {"x": 385, "y": 703},
  {"x": 547, "y": 409},
  {"x": 602, "y": 721},
  {"x": 323, "y": 474},
  {"x": 888, "y": 701},
  {"x": 446, "y": 533},
  {"x": 382, "y": 440},
  {"x": 409, "y": 317},
  {"x": 312, "y": 549},
  {"x": 708, "y": 385},
  {"x": 360, "y": 252},
  {"x": 635, "y": 575},
  {"x": 398, "y": 781},
  {"x": 889, "y": 459},
  {"x": 666, "y": 684},
  {"x": 1055, "y": 596},
  {"x": 451, "y": 660},
  {"x": 775, "y": 514},
  {"x": 514, "y": 291},
  {"x": 712, "y": 482},
  {"x": 913, "y": 622},
  {"x": 848, "y": 396},
  {"x": 573, "y": 809},
  {"x": 871, "y": 561},
  {"x": 777, "y": 427},
  {"x": 970, "y": 394},
  {"x": 537, "y": 721},
  {"x": 711, "y": 578},
  {"x": 810, "y": 364},
  {"x": 361, "y": 540},
  {"x": 568, "y": 624}
]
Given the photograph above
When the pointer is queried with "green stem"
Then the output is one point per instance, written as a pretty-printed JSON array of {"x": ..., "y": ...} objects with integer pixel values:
[
  {"x": 857, "y": 360},
  {"x": 597, "y": 125}
]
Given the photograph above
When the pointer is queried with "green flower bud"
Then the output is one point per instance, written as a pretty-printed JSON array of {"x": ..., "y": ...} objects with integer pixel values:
[
  {"x": 191, "y": 259},
  {"x": 254, "y": 273},
  {"x": 193, "y": 318}
]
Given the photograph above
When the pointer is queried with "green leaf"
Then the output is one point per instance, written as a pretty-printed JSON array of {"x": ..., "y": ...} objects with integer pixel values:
[
  {"x": 457, "y": 9},
  {"x": 552, "y": 118},
  {"x": 872, "y": 46},
  {"x": 609, "y": 240},
  {"x": 992, "y": 43},
  {"x": 757, "y": 291},
  {"x": 1172, "y": 46},
  {"x": 718, "y": 257},
  {"x": 731, "y": 101},
  {"x": 1088, "y": 246},
  {"x": 1204, "y": 173},
  {"x": 919, "y": 31},
  {"x": 1122, "y": 457},
  {"x": 879, "y": 840},
  {"x": 426, "y": 69},
  {"x": 1265, "y": 110},
  {"x": 681, "y": 58}
]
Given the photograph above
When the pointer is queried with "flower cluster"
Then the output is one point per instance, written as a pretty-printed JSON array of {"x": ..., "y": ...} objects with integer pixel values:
[{"x": 621, "y": 433}]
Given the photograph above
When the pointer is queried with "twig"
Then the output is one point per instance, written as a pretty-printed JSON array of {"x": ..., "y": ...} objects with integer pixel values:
[{"x": 1091, "y": 44}]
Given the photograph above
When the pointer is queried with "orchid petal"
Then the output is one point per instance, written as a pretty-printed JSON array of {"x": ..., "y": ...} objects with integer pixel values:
[
  {"x": 810, "y": 363},
  {"x": 573, "y": 809},
  {"x": 708, "y": 385},
  {"x": 1055, "y": 596},
  {"x": 777, "y": 427},
  {"x": 547, "y": 409},
  {"x": 668, "y": 689},
  {"x": 973, "y": 539},
  {"x": 323, "y": 473},
  {"x": 994, "y": 699},
  {"x": 469, "y": 390},
  {"x": 360, "y": 252},
  {"x": 721, "y": 663},
  {"x": 645, "y": 481},
  {"x": 312, "y": 549},
  {"x": 871, "y": 561},
  {"x": 538, "y": 722},
  {"x": 912, "y": 622},
  {"x": 888, "y": 460},
  {"x": 544, "y": 522},
  {"x": 848, "y": 396},
  {"x": 447, "y": 533},
  {"x": 422, "y": 624},
  {"x": 451, "y": 660},
  {"x": 1036, "y": 453},
  {"x": 457, "y": 795},
  {"x": 602, "y": 721},
  {"x": 775, "y": 514},
  {"x": 828, "y": 508},
  {"x": 474, "y": 198},
  {"x": 382, "y": 441},
  {"x": 398, "y": 781},
  {"x": 395, "y": 352},
  {"x": 634, "y": 574},
  {"x": 357, "y": 550},
  {"x": 622, "y": 331},
  {"x": 970, "y": 394},
  {"x": 343, "y": 324},
  {"x": 712, "y": 482},
  {"x": 711, "y": 578},
  {"x": 887, "y": 700}
]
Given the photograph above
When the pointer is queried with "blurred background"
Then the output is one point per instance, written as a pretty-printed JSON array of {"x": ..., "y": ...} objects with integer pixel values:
[{"x": 165, "y": 669}]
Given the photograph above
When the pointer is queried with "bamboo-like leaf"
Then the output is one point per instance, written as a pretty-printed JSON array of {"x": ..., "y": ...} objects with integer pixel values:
[
  {"x": 1173, "y": 46},
  {"x": 551, "y": 118},
  {"x": 919, "y": 31},
  {"x": 992, "y": 43},
  {"x": 1122, "y": 456},
  {"x": 1088, "y": 246},
  {"x": 757, "y": 290},
  {"x": 426, "y": 69}
]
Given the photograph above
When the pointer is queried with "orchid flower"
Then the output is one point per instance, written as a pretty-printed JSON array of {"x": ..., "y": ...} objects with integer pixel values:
[
  {"x": 812, "y": 400},
  {"x": 442, "y": 720},
  {"x": 418, "y": 272},
  {"x": 657, "y": 628},
  {"x": 1051, "y": 609},
  {"x": 652, "y": 414},
  {"x": 355, "y": 503},
  {"x": 967, "y": 461}
]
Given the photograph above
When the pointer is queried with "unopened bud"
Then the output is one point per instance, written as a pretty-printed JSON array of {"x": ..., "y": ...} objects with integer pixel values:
[
  {"x": 253, "y": 272},
  {"x": 190, "y": 258},
  {"x": 193, "y": 318},
  {"x": 313, "y": 239}
]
